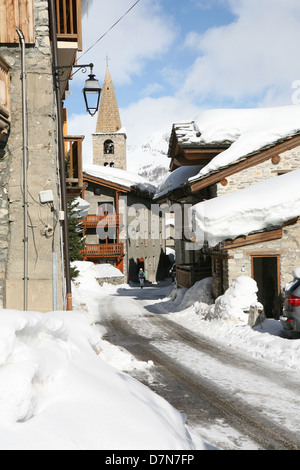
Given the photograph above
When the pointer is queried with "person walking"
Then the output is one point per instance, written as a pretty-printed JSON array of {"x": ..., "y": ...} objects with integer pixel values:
[{"x": 141, "y": 276}]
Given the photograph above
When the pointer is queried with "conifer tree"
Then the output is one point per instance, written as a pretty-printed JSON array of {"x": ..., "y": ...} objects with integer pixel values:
[{"x": 76, "y": 240}]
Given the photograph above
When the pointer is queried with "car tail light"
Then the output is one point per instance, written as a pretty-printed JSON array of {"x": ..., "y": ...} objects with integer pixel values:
[{"x": 293, "y": 301}]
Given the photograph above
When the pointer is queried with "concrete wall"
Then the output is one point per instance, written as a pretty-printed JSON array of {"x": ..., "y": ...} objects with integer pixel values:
[{"x": 42, "y": 175}]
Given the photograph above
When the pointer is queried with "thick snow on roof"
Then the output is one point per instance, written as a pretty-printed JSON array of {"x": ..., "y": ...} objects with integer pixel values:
[
  {"x": 262, "y": 206},
  {"x": 249, "y": 130},
  {"x": 118, "y": 176},
  {"x": 177, "y": 178}
]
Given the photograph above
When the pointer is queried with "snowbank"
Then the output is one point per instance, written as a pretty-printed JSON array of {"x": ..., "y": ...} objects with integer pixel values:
[
  {"x": 56, "y": 393},
  {"x": 62, "y": 386},
  {"x": 235, "y": 302},
  {"x": 261, "y": 206},
  {"x": 97, "y": 271},
  {"x": 226, "y": 323}
]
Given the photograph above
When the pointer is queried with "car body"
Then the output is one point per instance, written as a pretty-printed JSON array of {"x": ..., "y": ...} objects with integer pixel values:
[{"x": 290, "y": 318}]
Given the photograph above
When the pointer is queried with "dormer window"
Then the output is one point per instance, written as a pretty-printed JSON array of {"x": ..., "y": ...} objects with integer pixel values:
[{"x": 109, "y": 147}]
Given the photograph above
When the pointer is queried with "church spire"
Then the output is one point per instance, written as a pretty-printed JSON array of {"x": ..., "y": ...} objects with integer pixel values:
[
  {"x": 108, "y": 120},
  {"x": 109, "y": 142}
]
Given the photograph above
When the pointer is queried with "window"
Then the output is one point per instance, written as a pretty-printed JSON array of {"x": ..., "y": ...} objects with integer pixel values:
[{"x": 109, "y": 147}]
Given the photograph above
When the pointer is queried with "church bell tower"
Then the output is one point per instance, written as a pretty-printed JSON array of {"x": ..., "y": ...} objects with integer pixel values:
[{"x": 109, "y": 140}]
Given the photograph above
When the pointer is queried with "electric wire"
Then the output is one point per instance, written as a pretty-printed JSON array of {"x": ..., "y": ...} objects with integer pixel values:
[{"x": 115, "y": 24}]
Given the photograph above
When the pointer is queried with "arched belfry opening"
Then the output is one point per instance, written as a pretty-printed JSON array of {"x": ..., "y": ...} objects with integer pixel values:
[{"x": 109, "y": 148}]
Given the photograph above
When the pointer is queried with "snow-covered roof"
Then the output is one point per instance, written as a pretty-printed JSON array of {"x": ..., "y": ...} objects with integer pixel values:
[
  {"x": 177, "y": 178},
  {"x": 262, "y": 206},
  {"x": 121, "y": 177},
  {"x": 248, "y": 131}
]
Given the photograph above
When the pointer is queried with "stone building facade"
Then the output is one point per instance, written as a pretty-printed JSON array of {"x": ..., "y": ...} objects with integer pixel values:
[
  {"x": 269, "y": 258},
  {"x": 44, "y": 239},
  {"x": 279, "y": 164},
  {"x": 121, "y": 229}
]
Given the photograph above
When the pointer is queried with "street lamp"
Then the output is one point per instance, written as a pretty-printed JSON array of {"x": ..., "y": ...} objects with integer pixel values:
[
  {"x": 91, "y": 90},
  {"x": 91, "y": 93}
]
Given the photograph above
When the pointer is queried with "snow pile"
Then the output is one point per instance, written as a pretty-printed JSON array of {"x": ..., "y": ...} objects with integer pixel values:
[
  {"x": 237, "y": 300},
  {"x": 56, "y": 393},
  {"x": 199, "y": 296},
  {"x": 261, "y": 206},
  {"x": 118, "y": 176},
  {"x": 97, "y": 270},
  {"x": 245, "y": 130}
]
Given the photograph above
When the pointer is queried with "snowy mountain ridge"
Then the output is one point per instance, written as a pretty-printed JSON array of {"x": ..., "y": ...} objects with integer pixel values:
[{"x": 150, "y": 159}]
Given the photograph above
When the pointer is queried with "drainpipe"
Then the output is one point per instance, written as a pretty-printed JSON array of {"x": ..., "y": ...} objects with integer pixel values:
[
  {"x": 61, "y": 155},
  {"x": 25, "y": 165}
]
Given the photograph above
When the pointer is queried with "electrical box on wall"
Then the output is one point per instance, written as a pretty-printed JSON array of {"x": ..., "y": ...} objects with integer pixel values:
[{"x": 46, "y": 197}]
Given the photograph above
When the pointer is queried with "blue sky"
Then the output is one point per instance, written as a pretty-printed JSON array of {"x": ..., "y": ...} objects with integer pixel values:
[{"x": 171, "y": 58}]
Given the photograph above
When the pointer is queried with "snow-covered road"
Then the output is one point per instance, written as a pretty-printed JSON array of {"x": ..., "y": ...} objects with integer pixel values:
[{"x": 231, "y": 399}]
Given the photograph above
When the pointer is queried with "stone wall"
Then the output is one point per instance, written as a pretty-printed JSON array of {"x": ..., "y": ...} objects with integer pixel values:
[
  {"x": 288, "y": 161},
  {"x": 118, "y": 158},
  {"x": 238, "y": 262},
  {"x": 42, "y": 174}
]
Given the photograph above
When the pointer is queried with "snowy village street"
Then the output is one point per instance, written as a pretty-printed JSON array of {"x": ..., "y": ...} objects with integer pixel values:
[{"x": 232, "y": 400}]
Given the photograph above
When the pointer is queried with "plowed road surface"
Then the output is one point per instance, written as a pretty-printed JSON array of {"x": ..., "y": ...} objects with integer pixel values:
[{"x": 231, "y": 400}]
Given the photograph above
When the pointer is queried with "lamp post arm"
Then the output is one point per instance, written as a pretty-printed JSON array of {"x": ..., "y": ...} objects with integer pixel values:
[{"x": 59, "y": 69}]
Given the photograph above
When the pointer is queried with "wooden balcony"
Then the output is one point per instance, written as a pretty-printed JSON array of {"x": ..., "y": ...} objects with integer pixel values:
[
  {"x": 4, "y": 97},
  {"x": 73, "y": 157},
  {"x": 108, "y": 250},
  {"x": 68, "y": 16},
  {"x": 110, "y": 220}
]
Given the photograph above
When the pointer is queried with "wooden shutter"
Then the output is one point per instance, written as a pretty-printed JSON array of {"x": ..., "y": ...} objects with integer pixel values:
[{"x": 16, "y": 14}]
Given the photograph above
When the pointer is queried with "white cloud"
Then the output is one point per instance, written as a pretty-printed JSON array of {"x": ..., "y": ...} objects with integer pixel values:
[
  {"x": 252, "y": 57},
  {"x": 141, "y": 121},
  {"x": 252, "y": 61},
  {"x": 152, "y": 89},
  {"x": 149, "y": 116},
  {"x": 144, "y": 34}
]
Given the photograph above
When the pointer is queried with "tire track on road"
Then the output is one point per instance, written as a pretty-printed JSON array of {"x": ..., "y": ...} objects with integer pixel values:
[{"x": 198, "y": 397}]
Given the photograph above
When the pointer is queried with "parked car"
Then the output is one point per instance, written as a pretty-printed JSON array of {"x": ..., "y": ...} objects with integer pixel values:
[{"x": 290, "y": 318}]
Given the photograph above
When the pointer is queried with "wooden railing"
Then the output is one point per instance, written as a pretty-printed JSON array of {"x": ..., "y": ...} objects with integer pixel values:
[
  {"x": 111, "y": 220},
  {"x": 108, "y": 250},
  {"x": 73, "y": 154},
  {"x": 4, "y": 96},
  {"x": 68, "y": 15}
]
